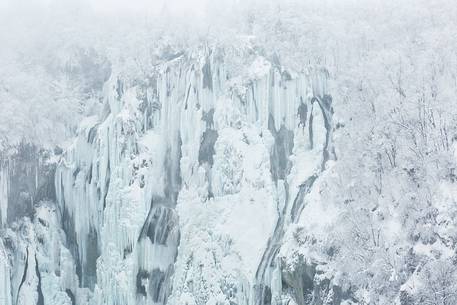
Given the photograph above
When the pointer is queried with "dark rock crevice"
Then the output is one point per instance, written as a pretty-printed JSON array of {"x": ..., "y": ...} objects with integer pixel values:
[
  {"x": 40, "y": 300},
  {"x": 298, "y": 204},
  {"x": 207, "y": 75},
  {"x": 281, "y": 150},
  {"x": 71, "y": 296},
  {"x": 325, "y": 104},
  {"x": 159, "y": 225},
  {"x": 300, "y": 283},
  {"x": 302, "y": 114},
  {"x": 24, "y": 275},
  {"x": 155, "y": 284},
  {"x": 206, "y": 151}
]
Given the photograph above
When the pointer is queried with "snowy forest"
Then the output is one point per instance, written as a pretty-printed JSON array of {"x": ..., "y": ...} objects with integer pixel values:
[{"x": 228, "y": 152}]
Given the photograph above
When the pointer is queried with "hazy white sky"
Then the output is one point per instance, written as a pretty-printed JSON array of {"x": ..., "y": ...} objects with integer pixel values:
[{"x": 187, "y": 7}]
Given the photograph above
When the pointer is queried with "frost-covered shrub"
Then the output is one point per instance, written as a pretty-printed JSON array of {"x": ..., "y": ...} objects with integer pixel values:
[
  {"x": 227, "y": 168},
  {"x": 438, "y": 283}
]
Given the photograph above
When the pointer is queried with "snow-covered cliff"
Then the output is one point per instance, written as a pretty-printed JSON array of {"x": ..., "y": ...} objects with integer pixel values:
[
  {"x": 259, "y": 153},
  {"x": 181, "y": 191}
]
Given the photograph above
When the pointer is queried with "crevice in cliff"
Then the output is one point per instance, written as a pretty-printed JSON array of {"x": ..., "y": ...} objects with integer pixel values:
[
  {"x": 40, "y": 300},
  {"x": 281, "y": 150},
  {"x": 24, "y": 275},
  {"x": 71, "y": 296},
  {"x": 279, "y": 168},
  {"x": 325, "y": 104},
  {"x": 206, "y": 151},
  {"x": 300, "y": 283},
  {"x": 298, "y": 204}
]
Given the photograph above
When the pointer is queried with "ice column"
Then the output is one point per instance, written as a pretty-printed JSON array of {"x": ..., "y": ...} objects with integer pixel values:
[
  {"x": 3, "y": 194},
  {"x": 5, "y": 284}
]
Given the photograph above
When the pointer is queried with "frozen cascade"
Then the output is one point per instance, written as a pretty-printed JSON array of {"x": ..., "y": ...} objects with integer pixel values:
[
  {"x": 5, "y": 282},
  {"x": 36, "y": 266},
  {"x": 26, "y": 178},
  {"x": 268, "y": 284},
  {"x": 134, "y": 187},
  {"x": 3, "y": 193}
]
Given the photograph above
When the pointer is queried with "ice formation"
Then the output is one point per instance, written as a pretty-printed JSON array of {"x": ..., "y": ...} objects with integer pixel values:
[
  {"x": 181, "y": 191},
  {"x": 3, "y": 193},
  {"x": 5, "y": 282}
]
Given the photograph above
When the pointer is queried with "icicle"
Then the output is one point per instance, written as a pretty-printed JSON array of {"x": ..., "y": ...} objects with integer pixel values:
[
  {"x": 4, "y": 177},
  {"x": 133, "y": 155},
  {"x": 5, "y": 284}
]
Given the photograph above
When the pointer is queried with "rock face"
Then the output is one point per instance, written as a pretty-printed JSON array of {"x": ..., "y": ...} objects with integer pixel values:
[
  {"x": 5, "y": 281},
  {"x": 181, "y": 191},
  {"x": 26, "y": 178},
  {"x": 38, "y": 267}
]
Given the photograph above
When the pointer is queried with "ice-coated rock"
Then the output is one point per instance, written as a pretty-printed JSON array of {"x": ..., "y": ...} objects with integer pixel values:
[{"x": 179, "y": 192}]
